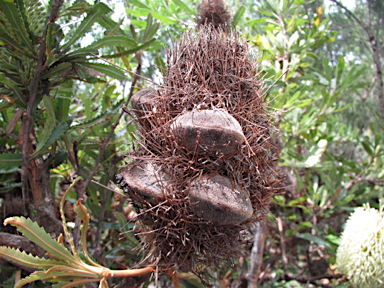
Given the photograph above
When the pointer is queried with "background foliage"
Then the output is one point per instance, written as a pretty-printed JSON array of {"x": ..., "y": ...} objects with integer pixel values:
[{"x": 325, "y": 63}]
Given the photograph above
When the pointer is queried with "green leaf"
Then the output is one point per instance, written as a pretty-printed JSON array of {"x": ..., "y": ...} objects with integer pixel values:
[
  {"x": 81, "y": 53},
  {"x": 367, "y": 147},
  {"x": 107, "y": 70},
  {"x": 184, "y": 6},
  {"x": 111, "y": 41},
  {"x": 102, "y": 117},
  {"x": 131, "y": 51},
  {"x": 57, "y": 70},
  {"x": 93, "y": 16},
  {"x": 49, "y": 124},
  {"x": 256, "y": 21},
  {"x": 238, "y": 15},
  {"x": 17, "y": 95},
  {"x": 139, "y": 4},
  {"x": 312, "y": 238},
  {"x": 10, "y": 161},
  {"x": 111, "y": 25},
  {"x": 5, "y": 38},
  {"x": 63, "y": 100},
  {"x": 56, "y": 133},
  {"x": 37, "y": 234},
  {"x": 12, "y": 14},
  {"x": 24, "y": 259}
]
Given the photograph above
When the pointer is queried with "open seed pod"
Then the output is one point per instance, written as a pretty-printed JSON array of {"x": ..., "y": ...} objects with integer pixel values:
[
  {"x": 207, "y": 163},
  {"x": 207, "y": 131}
]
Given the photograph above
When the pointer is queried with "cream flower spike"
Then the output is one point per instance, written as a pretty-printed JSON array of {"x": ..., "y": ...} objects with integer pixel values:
[{"x": 360, "y": 256}]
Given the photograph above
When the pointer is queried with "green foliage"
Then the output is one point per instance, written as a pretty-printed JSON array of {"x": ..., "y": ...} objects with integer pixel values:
[{"x": 66, "y": 269}]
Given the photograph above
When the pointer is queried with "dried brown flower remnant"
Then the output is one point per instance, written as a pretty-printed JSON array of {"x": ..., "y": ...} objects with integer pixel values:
[
  {"x": 207, "y": 132},
  {"x": 214, "y": 12}
]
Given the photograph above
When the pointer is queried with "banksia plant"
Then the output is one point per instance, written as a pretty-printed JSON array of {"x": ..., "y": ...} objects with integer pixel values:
[
  {"x": 202, "y": 172},
  {"x": 360, "y": 256}
]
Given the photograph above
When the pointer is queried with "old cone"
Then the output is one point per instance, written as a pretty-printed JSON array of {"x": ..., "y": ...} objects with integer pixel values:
[{"x": 202, "y": 172}]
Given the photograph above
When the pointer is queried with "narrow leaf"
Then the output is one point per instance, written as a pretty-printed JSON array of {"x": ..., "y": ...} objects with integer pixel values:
[
  {"x": 10, "y": 161},
  {"x": 315, "y": 239},
  {"x": 112, "y": 41},
  {"x": 94, "y": 15},
  {"x": 107, "y": 70},
  {"x": 56, "y": 133},
  {"x": 238, "y": 15},
  {"x": 131, "y": 51},
  {"x": 108, "y": 113},
  {"x": 63, "y": 101},
  {"x": 24, "y": 259},
  {"x": 57, "y": 70},
  {"x": 184, "y": 6},
  {"x": 81, "y": 53},
  {"x": 37, "y": 234}
]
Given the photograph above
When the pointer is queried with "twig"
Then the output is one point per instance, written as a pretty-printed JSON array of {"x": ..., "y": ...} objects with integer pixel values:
[
  {"x": 256, "y": 256},
  {"x": 282, "y": 243}
]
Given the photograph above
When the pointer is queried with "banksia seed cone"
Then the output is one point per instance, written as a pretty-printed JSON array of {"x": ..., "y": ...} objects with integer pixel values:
[
  {"x": 202, "y": 173},
  {"x": 360, "y": 256}
]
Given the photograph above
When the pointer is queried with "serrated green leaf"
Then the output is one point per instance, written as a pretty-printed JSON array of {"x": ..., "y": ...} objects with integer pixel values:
[
  {"x": 54, "y": 276},
  {"x": 238, "y": 15},
  {"x": 108, "y": 113},
  {"x": 81, "y": 53},
  {"x": 111, "y": 25},
  {"x": 107, "y": 70},
  {"x": 56, "y": 133},
  {"x": 57, "y": 70},
  {"x": 148, "y": 27},
  {"x": 10, "y": 10},
  {"x": 10, "y": 160},
  {"x": 93, "y": 16},
  {"x": 24, "y": 259},
  {"x": 109, "y": 41},
  {"x": 131, "y": 51},
  {"x": 37, "y": 234}
]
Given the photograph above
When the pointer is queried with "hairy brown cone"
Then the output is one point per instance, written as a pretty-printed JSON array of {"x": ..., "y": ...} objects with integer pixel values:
[
  {"x": 206, "y": 70},
  {"x": 215, "y": 13}
]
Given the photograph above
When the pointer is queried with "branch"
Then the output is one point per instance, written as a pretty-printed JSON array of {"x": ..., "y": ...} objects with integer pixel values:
[
  {"x": 27, "y": 117},
  {"x": 379, "y": 182}
]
